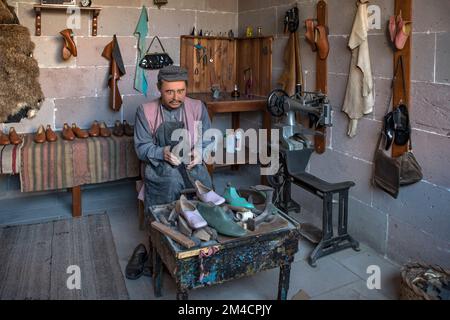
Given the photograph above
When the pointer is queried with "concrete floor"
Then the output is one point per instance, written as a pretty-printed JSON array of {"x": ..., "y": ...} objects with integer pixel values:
[{"x": 341, "y": 276}]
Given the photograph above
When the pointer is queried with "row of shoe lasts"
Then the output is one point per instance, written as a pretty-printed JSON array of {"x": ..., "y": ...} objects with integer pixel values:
[
  {"x": 70, "y": 133},
  {"x": 11, "y": 138}
]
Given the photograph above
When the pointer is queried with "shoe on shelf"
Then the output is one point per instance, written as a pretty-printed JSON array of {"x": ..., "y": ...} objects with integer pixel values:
[
  {"x": 118, "y": 129},
  {"x": 69, "y": 48},
  {"x": 128, "y": 129},
  {"x": 135, "y": 266},
  {"x": 104, "y": 131},
  {"x": 67, "y": 133},
  {"x": 39, "y": 137},
  {"x": 220, "y": 220},
  {"x": 80, "y": 134},
  {"x": 94, "y": 131},
  {"x": 50, "y": 135},
  {"x": 234, "y": 200},
  {"x": 206, "y": 194},
  {"x": 190, "y": 213},
  {"x": 4, "y": 139},
  {"x": 14, "y": 138}
]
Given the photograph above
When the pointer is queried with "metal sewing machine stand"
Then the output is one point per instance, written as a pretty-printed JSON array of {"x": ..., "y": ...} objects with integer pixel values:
[{"x": 295, "y": 153}]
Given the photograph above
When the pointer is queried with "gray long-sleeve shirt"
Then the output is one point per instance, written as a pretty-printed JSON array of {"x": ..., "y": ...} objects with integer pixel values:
[{"x": 145, "y": 146}]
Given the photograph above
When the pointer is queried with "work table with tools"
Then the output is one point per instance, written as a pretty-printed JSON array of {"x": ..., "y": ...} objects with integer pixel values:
[{"x": 271, "y": 245}]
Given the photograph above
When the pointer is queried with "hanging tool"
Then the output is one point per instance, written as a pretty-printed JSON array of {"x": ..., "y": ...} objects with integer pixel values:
[{"x": 248, "y": 79}]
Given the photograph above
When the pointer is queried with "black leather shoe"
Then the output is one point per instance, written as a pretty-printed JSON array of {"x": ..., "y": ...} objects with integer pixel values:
[
  {"x": 135, "y": 266},
  {"x": 389, "y": 127},
  {"x": 148, "y": 268},
  {"x": 402, "y": 125}
]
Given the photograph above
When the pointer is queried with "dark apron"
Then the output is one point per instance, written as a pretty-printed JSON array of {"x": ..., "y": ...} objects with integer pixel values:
[{"x": 164, "y": 182}]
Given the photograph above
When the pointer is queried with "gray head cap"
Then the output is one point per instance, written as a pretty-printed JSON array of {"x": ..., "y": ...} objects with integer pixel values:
[{"x": 172, "y": 73}]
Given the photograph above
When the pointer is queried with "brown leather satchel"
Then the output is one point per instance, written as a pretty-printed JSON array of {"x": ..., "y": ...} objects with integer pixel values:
[{"x": 391, "y": 173}]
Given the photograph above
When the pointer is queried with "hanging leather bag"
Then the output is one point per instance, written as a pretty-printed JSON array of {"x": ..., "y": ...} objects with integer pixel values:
[
  {"x": 156, "y": 60},
  {"x": 390, "y": 173}
]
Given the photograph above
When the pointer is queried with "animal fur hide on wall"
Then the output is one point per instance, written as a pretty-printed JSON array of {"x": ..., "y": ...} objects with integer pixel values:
[{"x": 20, "y": 92}]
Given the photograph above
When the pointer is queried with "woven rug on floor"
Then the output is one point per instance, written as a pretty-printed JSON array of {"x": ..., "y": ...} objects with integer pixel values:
[{"x": 35, "y": 261}]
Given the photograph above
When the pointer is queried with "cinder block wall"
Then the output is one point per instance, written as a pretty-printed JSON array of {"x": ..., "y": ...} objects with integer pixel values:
[
  {"x": 76, "y": 90},
  {"x": 417, "y": 225}
]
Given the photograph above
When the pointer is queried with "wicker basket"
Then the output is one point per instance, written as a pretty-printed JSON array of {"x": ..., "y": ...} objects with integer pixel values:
[{"x": 410, "y": 291}]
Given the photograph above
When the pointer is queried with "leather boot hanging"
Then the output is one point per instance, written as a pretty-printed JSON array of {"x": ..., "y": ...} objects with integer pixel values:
[{"x": 117, "y": 70}]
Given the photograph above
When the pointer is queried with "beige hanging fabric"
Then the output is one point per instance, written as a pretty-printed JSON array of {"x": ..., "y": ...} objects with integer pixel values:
[
  {"x": 360, "y": 94},
  {"x": 292, "y": 74}
]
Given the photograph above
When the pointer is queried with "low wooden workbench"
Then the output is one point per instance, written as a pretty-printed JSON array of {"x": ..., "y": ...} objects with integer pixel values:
[{"x": 271, "y": 246}]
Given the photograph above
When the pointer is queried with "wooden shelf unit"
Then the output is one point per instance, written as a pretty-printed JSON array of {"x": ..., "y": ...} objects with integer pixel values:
[
  {"x": 231, "y": 56},
  {"x": 38, "y": 8}
]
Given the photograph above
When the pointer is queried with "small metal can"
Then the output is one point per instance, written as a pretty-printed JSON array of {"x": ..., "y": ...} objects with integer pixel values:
[
  {"x": 249, "y": 32},
  {"x": 259, "y": 31}
]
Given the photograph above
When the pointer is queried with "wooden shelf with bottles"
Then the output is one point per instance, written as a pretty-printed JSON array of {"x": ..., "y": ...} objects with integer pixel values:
[
  {"x": 38, "y": 8},
  {"x": 229, "y": 61}
]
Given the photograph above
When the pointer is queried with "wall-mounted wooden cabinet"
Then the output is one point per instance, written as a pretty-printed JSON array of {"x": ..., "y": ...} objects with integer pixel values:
[{"x": 224, "y": 62}]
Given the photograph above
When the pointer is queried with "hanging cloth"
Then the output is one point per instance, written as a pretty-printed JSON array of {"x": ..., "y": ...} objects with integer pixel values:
[
  {"x": 140, "y": 80},
  {"x": 360, "y": 94},
  {"x": 292, "y": 74},
  {"x": 112, "y": 53}
]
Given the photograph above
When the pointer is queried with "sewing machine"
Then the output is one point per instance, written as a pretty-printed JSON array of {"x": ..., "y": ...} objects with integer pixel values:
[
  {"x": 313, "y": 104},
  {"x": 295, "y": 152}
]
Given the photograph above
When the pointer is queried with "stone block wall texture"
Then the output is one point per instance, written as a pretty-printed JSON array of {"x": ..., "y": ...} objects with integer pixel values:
[{"x": 416, "y": 226}]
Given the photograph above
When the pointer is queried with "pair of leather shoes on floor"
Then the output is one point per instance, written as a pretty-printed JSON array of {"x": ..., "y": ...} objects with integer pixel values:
[
  {"x": 42, "y": 135},
  {"x": 139, "y": 264},
  {"x": 124, "y": 128},
  {"x": 69, "y": 133},
  {"x": 317, "y": 37},
  {"x": 99, "y": 130},
  {"x": 11, "y": 138},
  {"x": 69, "y": 48}
]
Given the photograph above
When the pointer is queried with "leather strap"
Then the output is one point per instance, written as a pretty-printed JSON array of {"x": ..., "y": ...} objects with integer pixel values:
[
  {"x": 400, "y": 64},
  {"x": 151, "y": 43}
]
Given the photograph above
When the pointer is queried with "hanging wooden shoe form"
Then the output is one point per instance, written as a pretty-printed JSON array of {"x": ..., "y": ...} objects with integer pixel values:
[
  {"x": 321, "y": 75},
  {"x": 405, "y": 8}
]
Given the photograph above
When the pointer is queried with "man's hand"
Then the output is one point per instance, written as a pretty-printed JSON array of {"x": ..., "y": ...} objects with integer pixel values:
[
  {"x": 196, "y": 160},
  {"x": 170, "y": 157}
]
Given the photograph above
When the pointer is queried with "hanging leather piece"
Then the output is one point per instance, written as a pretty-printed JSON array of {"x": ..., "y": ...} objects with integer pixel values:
[
  {"x": 117, "y": 70},
  {"x": 21, "y": 95}
]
